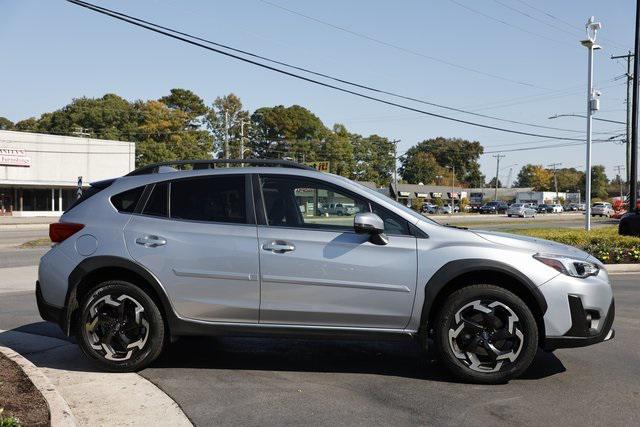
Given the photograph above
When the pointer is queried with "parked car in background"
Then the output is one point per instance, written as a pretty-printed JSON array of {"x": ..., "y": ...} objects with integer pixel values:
[
  {"x": 522, "y": 210},
  {"x": 602, "y": 209},
  {"x": 494, "y": 208},
  {"x": 429, "y": 208},
  {"x": 447, "y": 209},
  {"x": 543, "y": 208},
  {"x": 630, "y": 224},
  {"x": 341, "y": 209},
  {"x": 557, "y": 208}
]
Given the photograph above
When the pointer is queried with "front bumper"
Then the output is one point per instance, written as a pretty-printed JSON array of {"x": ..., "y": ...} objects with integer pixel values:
[{"x": 582, "y": 333}]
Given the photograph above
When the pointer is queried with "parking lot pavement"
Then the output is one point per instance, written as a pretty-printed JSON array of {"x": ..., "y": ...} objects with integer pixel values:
[{"x": 284, "y": 381}]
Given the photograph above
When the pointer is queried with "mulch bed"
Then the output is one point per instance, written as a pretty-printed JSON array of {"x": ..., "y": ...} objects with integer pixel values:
[{"x": 19, "y": 397}]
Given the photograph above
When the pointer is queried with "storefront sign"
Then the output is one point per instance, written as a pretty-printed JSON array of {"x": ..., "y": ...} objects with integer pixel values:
[
  {"x": 436, "y": 195},
  {"x": 404, "y": 194},
  {"x": 422, "y": 195},
  {"x": 321, "y": 166},
  {"x": 14, "y": 157}
]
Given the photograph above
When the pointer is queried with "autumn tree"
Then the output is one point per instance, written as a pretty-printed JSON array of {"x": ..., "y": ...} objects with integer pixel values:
[
  {"x": 5, "y": 124},
  {"x": 534, "y": 176}
]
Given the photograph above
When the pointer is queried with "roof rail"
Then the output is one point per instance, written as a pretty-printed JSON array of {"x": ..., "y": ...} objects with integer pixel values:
[{"x": 211, "y": 164}]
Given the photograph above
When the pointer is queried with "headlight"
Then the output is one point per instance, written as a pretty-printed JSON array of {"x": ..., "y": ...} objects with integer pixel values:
[{"x": 569, "y": 266}]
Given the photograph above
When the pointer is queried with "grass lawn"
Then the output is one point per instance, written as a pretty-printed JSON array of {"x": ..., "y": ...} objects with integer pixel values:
[{"x": 604, "y": 242}]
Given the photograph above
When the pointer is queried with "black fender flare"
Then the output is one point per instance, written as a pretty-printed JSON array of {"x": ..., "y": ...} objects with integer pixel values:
[
  {"x": 453, "y": 269},
  {"x": 92, "y": 264}
]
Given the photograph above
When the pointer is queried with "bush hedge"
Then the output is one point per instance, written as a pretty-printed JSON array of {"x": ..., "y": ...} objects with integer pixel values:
[{"x": 604, "y": 243}]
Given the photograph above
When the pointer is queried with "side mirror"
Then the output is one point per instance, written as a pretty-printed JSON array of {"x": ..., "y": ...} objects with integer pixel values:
[{"x": 372, "y": 224}]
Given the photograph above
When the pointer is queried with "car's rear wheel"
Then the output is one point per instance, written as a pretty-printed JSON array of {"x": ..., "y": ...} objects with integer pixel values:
[
  {"x": 120, "y": 327},
  {"x": 486, "y": 334}
]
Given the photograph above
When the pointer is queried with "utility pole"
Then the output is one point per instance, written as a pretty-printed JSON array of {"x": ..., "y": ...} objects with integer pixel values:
[
  {"x": 620, "y": 168},
  {"x": 593, "y": 104},
  {"x": 395, "y": 167},
  {"x": 226, "y": 135},
  {"x": 498, "y": 157},
  {"x": 633, "y": 163},
  {"x": 628, "y": 57},
  {"x": 555, "y": 178}
]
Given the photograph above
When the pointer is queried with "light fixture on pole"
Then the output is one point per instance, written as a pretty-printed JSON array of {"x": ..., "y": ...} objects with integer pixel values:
[{"x": 593, "y": 104}]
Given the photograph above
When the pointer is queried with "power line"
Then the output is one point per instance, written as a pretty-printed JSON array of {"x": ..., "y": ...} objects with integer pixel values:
[
  {"x": 400, "y": 48},
  {"x": 361, "y": 86},
  {"x": 150, "y": 26},
  {"x": 508, "y": 24},
  {"x": 572, "y": 33},
  {"x": 570, "y": 25}
]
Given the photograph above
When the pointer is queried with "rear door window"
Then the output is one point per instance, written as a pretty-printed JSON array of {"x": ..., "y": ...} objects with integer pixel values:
[
  {"x": 158, "y": 202},
  {"x": 218, "y": 198}
]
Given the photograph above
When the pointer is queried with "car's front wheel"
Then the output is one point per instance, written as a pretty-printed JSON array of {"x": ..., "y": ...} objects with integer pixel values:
[
  {"x": 486, "y": 334},
  {"x": 120, "y": 327}
]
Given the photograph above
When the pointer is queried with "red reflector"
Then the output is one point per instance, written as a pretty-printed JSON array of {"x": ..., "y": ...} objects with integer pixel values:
[{"x": 60, "y": 231}]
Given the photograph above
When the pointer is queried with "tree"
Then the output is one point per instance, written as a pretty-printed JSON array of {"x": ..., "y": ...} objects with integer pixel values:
[
  {"x": 287, "y": 132},
  {"x": 225, "y": 120},
  {"x": 599, "y": 182},
  {"x": 5, "y": 124},
  {"x": 421, "y": 167},
  {"x": 186, "y": 101},
  {"x": 373, "y": 159},
  {"x": 166, "y": 137},
  {"x": 534, "y": 176},
  {"x": 569, "y": 179},
  {"x": 492, "y": 183},
  {"x": 452, "y": 152}
]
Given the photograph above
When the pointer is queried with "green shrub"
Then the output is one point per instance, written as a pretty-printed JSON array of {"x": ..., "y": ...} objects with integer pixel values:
[
  {"x": 604, "y": 243},
  {"x": 8, "y": 421}
]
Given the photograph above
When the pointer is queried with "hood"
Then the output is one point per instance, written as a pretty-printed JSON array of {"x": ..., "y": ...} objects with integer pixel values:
[{"x": 532, "y": 244}]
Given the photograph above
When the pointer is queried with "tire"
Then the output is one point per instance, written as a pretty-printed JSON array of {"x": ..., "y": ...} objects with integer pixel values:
[
  {"x": 125, "y": 312},
  {"x": 477, "y": 364}
]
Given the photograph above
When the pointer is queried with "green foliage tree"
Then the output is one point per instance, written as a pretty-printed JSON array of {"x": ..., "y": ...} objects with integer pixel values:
[
  {"x": 186, "y": 101},
  {"x": 492, "y": 183},
  {"x": 421, "y": 167},
  {"x": 373, "y": 159},
  {"x": 599, "y": 182},
  {"x": 569, "y": 179},
  {"x": 227, "y": 119},
  {"x": 452, "y": 152},
  {"x": 5, "y": 124},
  {"x": 287, "y": 131}
]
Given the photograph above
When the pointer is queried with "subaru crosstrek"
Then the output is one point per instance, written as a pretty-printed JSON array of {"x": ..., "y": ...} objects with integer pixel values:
[{"x": 162, "y": 253}]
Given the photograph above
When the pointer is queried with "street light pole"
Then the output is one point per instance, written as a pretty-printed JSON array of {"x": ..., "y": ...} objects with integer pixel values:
[
  {"x": 633, "y": 162},
  {"x": 498, "y": 157},
  {"x": 592, "y": 28},
  {"x": 395, "y": 167}
]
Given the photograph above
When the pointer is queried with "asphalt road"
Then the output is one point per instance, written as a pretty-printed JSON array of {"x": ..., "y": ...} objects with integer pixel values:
[
  {"x": 240, "y": 381},
  {"x": 10, "y": 256}
]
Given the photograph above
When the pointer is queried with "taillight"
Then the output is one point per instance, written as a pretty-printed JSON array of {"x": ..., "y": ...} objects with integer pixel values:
[{"x": 60, "y": 231}]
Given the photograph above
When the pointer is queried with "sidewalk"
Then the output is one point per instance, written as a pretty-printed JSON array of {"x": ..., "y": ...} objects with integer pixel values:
[
  {"x": 26, "y": 223},
  {"x": 95, "y": 398}
]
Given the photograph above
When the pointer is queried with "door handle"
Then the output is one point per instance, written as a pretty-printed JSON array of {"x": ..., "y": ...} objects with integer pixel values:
[
  {"x": 279, "y": 246},
  {"x": 151, "y": 241}
]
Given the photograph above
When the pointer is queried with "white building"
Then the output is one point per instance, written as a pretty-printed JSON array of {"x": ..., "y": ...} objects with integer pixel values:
[
  {"x": 39, "y": 173},
  {"x": 548, "y": 197}
]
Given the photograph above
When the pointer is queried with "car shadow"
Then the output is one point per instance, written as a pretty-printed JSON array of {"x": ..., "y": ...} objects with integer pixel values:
[
  {"x": 394, "y": 358},
  {"x": 403, "y": 358}
]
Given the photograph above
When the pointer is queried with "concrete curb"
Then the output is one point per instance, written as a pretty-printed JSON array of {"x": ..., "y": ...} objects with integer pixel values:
[
  {"x": 60, "y": 413},
  {"x": 622, "y": 268}
]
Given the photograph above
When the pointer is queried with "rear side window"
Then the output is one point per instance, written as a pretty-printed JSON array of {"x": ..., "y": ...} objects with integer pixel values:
[
  {"x": 127, "y": 201},
  {"x": 158, "y": 201},
  {"x": 213, "y": 198}
]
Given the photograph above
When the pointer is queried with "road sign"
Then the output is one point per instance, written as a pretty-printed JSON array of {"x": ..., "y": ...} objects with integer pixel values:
[{"x": 321, "y": 166}]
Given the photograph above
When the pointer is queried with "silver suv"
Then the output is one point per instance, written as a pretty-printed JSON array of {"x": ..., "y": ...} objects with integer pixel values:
[{"x": 162, "y": 253}]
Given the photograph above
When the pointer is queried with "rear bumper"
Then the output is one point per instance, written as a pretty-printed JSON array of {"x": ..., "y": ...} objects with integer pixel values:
[
  {"x": 581, "y": 334},
  {"x": 48, "y": 312}
]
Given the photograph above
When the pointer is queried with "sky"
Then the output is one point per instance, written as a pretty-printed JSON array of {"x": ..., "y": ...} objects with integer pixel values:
[{"x": 518, "y": 60}]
